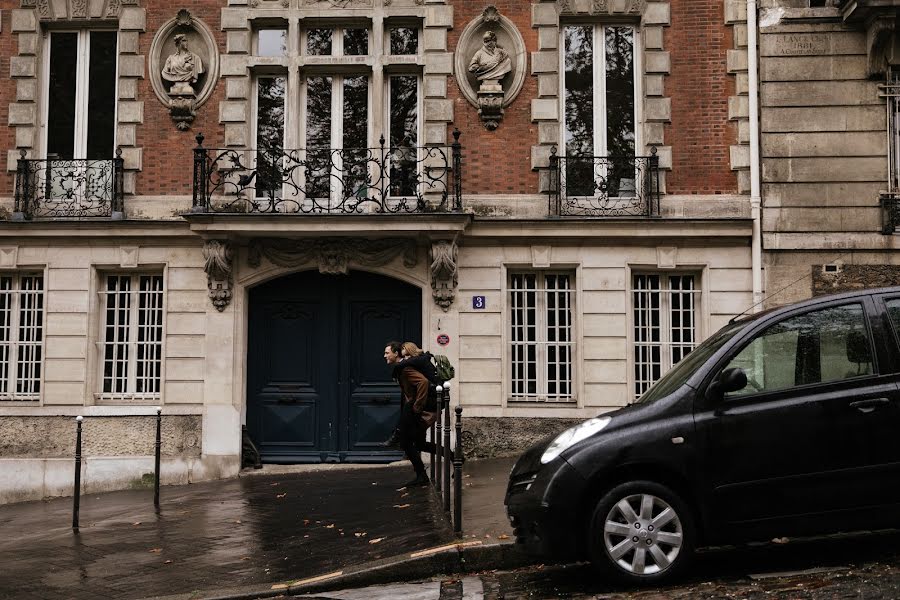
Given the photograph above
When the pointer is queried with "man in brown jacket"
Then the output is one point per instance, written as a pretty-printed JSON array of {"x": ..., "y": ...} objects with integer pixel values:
[{"x": 414, "y": 392}]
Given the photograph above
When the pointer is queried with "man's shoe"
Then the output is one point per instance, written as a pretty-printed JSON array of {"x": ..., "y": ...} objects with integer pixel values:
[
  {"x": 393, "y": 441},
  {"x": 419, "y": 481}
]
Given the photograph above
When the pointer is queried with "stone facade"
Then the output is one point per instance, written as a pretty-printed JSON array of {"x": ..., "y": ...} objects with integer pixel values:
[
  {"x": 209, "y": 263},
  {"x": 824, "y": 150}
]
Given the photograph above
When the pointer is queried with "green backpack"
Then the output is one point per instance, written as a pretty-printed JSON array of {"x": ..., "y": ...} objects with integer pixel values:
[{"x": 444, "y": 368}]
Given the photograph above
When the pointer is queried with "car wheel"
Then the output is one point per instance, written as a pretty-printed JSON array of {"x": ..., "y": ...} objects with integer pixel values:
[{"x": 641, "y": 532}]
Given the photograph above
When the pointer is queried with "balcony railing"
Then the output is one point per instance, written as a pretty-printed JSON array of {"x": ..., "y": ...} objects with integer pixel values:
[
  {"x": 69, "y": 188},
  {"x": 890, "y": 213},
  {"x": 386, "y": 179},
  {"x": 604, "y": 186}
]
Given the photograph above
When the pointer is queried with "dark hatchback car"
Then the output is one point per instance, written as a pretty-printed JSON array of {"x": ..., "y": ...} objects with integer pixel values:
[{"x": 782, "y": 423}]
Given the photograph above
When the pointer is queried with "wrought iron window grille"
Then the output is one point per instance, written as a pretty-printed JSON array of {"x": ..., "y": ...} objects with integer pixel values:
[
  {"x": 69, "y": 188},
  {"x": 604, "y": 186},
  {"x": 386, "y": 179}
]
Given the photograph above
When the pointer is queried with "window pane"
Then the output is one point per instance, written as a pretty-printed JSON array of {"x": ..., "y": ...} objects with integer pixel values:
[
  {"x": 404, "y": 40},
  {"x": 6, "y": 300},
  {"x": 101, "y": 95},
  {"x": 404, "y": 101},
  {"x": 579, "y": 78},
  {"x": 149, "y": 338},
  {"x": 318, "y": 42},
  {"x": 619, "y": 108},
  {"x": 579, "y": 106},
  {"x": 356, "y": 127},
  {"x": 61, "y": 98},
  {"x": 820, "y": 346},
  {"x": 269, "y": 135},
  {"x": 272, "y": 42},
  {"x": 356, "y": 42},
  {"x": 118, "y": 321},
  {"x": 318, "y": 136}
]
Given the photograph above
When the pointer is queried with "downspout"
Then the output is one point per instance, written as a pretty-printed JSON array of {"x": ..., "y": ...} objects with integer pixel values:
[{"x": 755, "y": 198}]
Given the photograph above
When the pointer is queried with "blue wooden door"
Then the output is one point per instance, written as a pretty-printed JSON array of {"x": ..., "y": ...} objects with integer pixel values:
[{"x": 318, "y": 389}]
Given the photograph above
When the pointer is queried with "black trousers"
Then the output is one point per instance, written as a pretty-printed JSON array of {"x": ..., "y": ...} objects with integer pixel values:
[{"x": 412, "y": 438}]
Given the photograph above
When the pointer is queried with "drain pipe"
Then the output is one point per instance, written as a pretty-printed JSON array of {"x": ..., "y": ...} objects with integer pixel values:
[{"x": 755, "y": 198}]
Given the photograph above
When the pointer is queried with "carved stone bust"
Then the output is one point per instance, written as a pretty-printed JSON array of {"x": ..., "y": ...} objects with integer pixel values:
[
  {"x": 183, "y": 68},
  {"x": 491, "y": 62}
]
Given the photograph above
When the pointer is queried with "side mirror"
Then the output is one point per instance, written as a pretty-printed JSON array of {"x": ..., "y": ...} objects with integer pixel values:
[{"x": 729, "y": 380}]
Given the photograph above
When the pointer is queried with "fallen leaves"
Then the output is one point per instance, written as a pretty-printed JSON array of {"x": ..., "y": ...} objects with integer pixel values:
[
  {"x": 155, "y": 550},
  {"x": 331, "y": 526},
  {"x": 136, "y": 523},
  {"x": 168, "y": 562},
  {"x": 279, "y": 496},
  {"x": 401, "y": 506},
  {"x": 502, "y": 536},
  {"x": 376, "y": 540},
  {"x": 360, "y": 534}
]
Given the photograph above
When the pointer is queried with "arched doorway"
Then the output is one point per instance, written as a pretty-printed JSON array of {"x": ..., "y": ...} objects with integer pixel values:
[{"x": 317, "y": 386}]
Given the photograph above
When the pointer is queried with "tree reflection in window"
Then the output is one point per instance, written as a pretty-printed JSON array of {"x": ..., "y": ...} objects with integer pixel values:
[
  {"x": 318, "y": 136},
  {"x": 356, "y": 134},
  {"x": 404, "y": 40},
  {"x": 404, "y": 100},
  {"x": 269, "y": 136},
  {"x": 318, "y": 42},
  {"x": 579, "y": 81},
  {"x": 356, "y": 42}
]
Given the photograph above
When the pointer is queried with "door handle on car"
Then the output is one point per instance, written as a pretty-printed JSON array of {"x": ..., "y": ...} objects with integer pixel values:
[{"x": 867, "y": 406}]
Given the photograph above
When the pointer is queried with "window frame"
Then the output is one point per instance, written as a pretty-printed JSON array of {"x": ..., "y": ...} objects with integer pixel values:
[
  {"x": 254, "y": 129},
  {"x": 9, "y": 397},
  {"x": 420, "y": 129},
  {"x": 541, "y": 397},
  {"x": 337, "y": 39},
  {"x": 698, "y": 292},
  {"x": 79, "y": 150},
  {"x": 131, "y": 396},
  {"x": 599, "y": 85}
]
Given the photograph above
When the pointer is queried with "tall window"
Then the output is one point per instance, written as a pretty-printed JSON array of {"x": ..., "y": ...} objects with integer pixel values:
[
  {"x": 599, "y": 82},
  {"x": 541, "y": 345},
  {"x": 132, "y": 337},
  {"x": 892, "y": 91},
  {"x": 81, "y": 99},
  {"x": 665, "y": 324},
  {"x": 21, "y": 336}
]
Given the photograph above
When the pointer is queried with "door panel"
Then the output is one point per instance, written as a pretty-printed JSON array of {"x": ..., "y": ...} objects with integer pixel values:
[
  {"x": 318, "y": 388},
  {"x": 793, "y": 442},
  {"x": 374, "y": 396}
]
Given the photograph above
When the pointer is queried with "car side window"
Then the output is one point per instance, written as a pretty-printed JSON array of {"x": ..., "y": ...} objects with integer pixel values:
[
  {"x": 816, "y": 347},
  {"x": 893, "y": 307}
]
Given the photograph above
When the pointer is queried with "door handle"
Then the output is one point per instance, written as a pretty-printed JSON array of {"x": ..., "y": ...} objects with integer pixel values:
[{"x": 867, "y": 406}]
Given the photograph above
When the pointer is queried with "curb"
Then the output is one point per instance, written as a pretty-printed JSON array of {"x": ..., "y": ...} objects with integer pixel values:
[{"x": 455, "y": 558}]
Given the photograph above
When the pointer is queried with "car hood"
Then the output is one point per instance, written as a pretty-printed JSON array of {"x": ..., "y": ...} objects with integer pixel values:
[{"x": 627, "y": 416}]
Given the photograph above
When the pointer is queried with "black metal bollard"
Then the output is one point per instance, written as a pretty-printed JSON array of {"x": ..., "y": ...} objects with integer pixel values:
[
  {"x": 433, "y": 456},
  {"x": 446, "y": 447},
  {"x": 76, "y": 499},
  {"x": 438, "y": 451},
  {"x": 457, "y": 474},
  {"x": 158, "y": 452}
]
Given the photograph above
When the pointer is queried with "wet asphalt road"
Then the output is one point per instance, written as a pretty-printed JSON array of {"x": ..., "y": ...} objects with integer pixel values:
[
  {"x": 252, "y": 530},
  {"x": 864, "y": 567}
]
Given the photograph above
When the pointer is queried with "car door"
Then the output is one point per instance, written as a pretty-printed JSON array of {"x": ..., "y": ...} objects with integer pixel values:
[
  {"x": 884, "y": 445},
  {"x": 795, "y": 440}
]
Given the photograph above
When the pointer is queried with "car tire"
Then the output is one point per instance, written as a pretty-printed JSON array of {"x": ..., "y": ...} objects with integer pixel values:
[{"x": 641, "y": 532}]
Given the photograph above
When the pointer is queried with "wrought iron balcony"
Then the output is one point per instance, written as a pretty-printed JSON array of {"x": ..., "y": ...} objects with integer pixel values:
[
  {"x": 68, "y": 188},
  {"x": 604, "y": 186},
  {"x": 317, "y": 181}
]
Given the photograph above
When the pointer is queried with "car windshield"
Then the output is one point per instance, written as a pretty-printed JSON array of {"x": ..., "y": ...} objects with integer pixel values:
[{"x": 680, "y": 373}]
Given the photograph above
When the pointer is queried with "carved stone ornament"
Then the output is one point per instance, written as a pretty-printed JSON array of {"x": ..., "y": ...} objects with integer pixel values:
[
  {"x": 339, "y": 3},
  {"x": 184, "y": 66},
  {"x": 879, "y": 36},
  {"x": 332, "y": 255},
  {"x": 219, "y": 255},
  {"x": 602, "y": 7},
  {"x": 490, "y": 64},
  {"x": 444, "y": 278}
]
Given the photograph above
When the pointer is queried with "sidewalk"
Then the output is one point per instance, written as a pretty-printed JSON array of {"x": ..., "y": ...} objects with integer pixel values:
[{"x": 241, "y": 535}]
